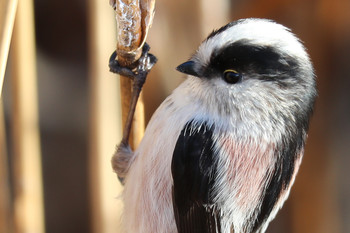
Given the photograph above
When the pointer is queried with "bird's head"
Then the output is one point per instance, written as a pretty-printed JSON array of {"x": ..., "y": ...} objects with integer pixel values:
[{"x": 254, "y": 65}]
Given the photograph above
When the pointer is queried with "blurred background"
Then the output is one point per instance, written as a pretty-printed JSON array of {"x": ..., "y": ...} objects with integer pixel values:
[{"x": 74, "y": 91}]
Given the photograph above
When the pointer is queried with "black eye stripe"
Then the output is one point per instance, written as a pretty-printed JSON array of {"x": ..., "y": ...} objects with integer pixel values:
[{"x": 243, "y": 56}]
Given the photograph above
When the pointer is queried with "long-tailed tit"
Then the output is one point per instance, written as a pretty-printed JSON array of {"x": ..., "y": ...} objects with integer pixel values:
[{"x": 221, "y": 153}]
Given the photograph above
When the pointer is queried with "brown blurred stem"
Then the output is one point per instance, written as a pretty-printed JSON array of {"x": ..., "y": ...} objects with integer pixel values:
[{"x": 7, "y": 17}]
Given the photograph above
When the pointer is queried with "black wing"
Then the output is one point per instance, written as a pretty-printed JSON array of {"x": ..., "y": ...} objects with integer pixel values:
[
  {"x": 288, "y": 151},
  {"x": 193, "y": 168}
]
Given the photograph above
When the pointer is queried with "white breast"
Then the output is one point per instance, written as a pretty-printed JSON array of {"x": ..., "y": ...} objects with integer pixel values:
[{"x": 148, "y": 186}]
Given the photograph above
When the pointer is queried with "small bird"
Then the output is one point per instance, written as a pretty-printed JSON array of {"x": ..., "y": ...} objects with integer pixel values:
[{"x": 221, "y": 153}]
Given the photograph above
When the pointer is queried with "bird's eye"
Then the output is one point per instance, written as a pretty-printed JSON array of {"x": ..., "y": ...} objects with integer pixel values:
[{"x": 232, "y": 76}]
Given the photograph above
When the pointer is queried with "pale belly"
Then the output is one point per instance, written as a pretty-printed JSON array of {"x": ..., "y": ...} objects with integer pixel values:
[{"x": 147, "y": 196}]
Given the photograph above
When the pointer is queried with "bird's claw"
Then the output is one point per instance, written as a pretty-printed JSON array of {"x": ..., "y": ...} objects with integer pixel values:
[
  {"x": 141, "y": 67},
  {"x": 137, "y": 72}
]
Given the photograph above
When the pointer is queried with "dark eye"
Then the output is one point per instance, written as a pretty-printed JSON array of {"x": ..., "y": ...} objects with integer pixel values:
[{"x": 232, "y": 76}]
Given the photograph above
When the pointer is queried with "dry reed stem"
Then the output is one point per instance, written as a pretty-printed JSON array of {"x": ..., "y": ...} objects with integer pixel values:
[{"x": 134, "y": 18}]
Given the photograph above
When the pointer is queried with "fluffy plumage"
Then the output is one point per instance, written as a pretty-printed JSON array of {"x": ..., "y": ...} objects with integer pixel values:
[{"x": 217, "y": 156}]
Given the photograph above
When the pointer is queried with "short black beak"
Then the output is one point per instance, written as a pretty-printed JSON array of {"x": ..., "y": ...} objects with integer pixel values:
[{"x": 187, "y": 68}]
